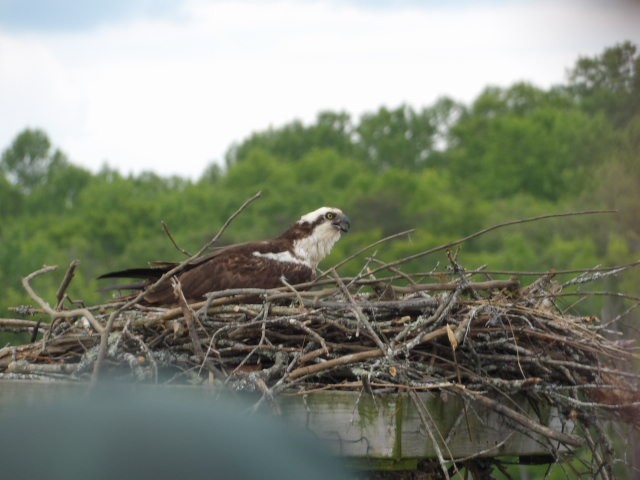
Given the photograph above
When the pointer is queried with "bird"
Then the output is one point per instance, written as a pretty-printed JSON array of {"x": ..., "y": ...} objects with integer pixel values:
[{"x": 290, "y": 258}]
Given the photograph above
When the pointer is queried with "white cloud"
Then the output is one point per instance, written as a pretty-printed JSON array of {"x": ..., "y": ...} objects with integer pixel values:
[
  {"x": 171, "y": 96},
  {"x": 36, "y": 88}
]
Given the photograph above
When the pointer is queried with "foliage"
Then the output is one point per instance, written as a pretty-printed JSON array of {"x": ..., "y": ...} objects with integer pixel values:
[
  {"x": 609, "y": 83},
  {"x": 446, "y": 170},
  {"x": 522, "y": 139}
]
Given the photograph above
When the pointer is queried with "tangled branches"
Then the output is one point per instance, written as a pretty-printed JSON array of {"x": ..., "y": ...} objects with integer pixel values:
[{"x": 483, "y": 340}]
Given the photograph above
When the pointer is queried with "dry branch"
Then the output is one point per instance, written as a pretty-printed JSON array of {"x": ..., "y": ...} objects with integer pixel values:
[{"x": 479, "y": 233}]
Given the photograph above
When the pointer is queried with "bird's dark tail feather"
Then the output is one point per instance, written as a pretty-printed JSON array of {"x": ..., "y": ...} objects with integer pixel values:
[
  {"x": 147, "y": 276},
  {"x": 144, "y": 273}
]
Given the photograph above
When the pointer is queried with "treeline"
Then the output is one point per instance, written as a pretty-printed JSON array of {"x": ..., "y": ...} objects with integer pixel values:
[{"x": 446, "y": 170}]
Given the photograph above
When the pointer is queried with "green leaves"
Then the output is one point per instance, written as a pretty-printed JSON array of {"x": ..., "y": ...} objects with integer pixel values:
[
  {"x": 524, "y": 140},
  {"x": 609, "y": 83},
  {"x": 29, "y": 160}
]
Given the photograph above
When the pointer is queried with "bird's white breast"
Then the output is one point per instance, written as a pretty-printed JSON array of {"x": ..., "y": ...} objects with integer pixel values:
[{"x": 318, "y": 245}]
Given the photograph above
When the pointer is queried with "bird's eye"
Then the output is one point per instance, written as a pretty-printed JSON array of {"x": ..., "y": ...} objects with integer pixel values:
[{"x": 330, "y": 216}]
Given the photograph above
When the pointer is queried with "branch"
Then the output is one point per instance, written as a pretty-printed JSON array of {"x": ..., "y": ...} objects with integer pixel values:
[
  {"x": 511, "y": 284},
  {"x": 188, "y": 318},
  {"x": 68, "y": 276},
  {"x": 344, "y": 360},
  {"x": 193, "y": 334},
  {"x": 55, "y": 313},
  {"x": 487, "y": 230},
  {"x": 18, "y": 324},
  {"x": 60, "y": 296},
  {"x": 165, "y": 227},
  {"x": 362, "y": 250},
  {"x": 429, "y": 426},
  {"x": 362, "y": 318},
  {"x": 568, "y": 439}
]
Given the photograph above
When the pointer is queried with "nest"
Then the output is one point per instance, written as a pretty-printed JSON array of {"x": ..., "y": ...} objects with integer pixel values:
[{"x": 485, "y": 341}]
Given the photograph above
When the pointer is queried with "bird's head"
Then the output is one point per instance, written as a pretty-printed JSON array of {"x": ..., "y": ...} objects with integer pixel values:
[
  {"x": 315, "y": 234},
  {"x": 326, "y": 218}
]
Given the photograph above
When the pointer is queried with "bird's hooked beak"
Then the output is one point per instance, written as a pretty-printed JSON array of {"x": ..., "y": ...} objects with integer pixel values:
[{"x": 342, "y": 223}]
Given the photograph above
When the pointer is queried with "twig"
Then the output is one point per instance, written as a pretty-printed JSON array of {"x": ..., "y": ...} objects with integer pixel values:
[
  {"x": 102, "y": 349},
  {"x": 15, "y": 323},
  {"x": 530, "y": 273},
  {"x": 293, "y": 290},
  {"x": 362, "y": 318},
  {"x": 145, "y": 348},
  {"x": 487, "y": 451},
  {"x": 511, "y": 284},
  {"x": 68, "y": 276},
  {"x": 362, "y": 250},
  {"x": 523, "y": 420},
  {"x": 435, "y": 319},
  {"x": 429, "y": 426},
  {"x": 79, "y": 312},
  {"x": 103, "y": 331},
  {"x": 479, "y": 233},
  {"x": 344, "y": 360},
  {"x": 620, "y": 316},
  {"x": 463, "y": 277},
  {"x": 397, "y": 271},
  {"x": 263, "y": 335},
  {"x": 594, "y": 275},
  {"x": 597, "y": 294},
  {"x": 165, "y": 227},
  {"x": 188, "y": 318},
  {"x": 193, "y": 334},
  {"x": 60, "y": 295},
  {"x": 22, "y": 366}
]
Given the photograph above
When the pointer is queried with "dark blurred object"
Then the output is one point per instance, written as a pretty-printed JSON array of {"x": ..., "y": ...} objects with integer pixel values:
[{"x": 159, "y": 435}]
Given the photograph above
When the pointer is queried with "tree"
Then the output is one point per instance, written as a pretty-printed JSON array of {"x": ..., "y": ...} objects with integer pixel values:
[
  {"x": 64, "y": 183},
  {"x": 609, "y": 82},
  {"x": 29, "y": 159},
  {"x": 12, "y": 199},
  {"x": 292, "y": 141},
  {"x": 525, "y": 140},
  {"x": 400, "y": 138},
  {"x": 618, "y": 185}
]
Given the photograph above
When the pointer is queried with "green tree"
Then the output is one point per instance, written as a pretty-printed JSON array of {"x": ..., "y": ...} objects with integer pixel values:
[
  {"x": 609, "y": 83},
  {"x": 12, "y": 199},
  {"x": 292, "y": 141},
  {"x": 63, "y": 185},
  {"x": 618, "y": 186},
  {"x": 525, "y": 140},
  {"x": 400, "y": 138},
  {"x": 29, "y": 159}
]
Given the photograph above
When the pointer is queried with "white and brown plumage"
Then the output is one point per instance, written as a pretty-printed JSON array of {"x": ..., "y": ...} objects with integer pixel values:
[{"x": 293, "y": 256}]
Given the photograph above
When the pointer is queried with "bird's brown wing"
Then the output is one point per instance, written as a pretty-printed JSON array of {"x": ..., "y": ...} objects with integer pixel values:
[{"x": 236, "y": 268}]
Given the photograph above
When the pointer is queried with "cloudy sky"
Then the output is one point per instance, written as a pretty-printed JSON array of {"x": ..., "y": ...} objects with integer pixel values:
[{"x": 168, "y": 85}]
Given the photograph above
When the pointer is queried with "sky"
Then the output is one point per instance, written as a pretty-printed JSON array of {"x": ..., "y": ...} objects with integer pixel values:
[{"x": 169, "y": 85}]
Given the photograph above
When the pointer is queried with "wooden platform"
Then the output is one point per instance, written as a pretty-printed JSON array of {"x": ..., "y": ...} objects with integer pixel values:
[{"x": 385, "y": 431}]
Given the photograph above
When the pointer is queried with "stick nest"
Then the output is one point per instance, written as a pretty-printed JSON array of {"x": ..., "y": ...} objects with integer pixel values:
[{"x": 486, "y": 341}]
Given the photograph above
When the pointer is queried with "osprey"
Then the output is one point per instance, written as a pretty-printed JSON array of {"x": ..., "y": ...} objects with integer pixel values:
[{"x": 292, "y": 257}]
